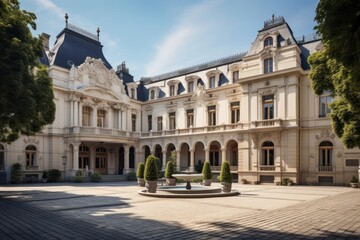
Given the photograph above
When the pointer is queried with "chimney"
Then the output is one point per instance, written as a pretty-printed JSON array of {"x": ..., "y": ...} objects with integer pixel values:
[{"x": 45, "y": 39}]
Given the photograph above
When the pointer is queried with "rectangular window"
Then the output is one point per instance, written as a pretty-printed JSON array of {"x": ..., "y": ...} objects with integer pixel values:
[
  {"x": 324, "y": 102},
  {"x": 101, "y": 118},
  {"x": 172, "y": 90},
  {"x": 190, "y": 118},
  {"x": 172, "y": 121},
  {"x": 268, "y": 107},
  {"x": 352, "y": 162},
  {"x": 159, "y": 124},
  {"x": 150, "y": 122},
  {"x": 152, "y": 94},
  {"x": 191, "y": 87},
  {"x": 133, "y": 122},
  {"x": 235, "y": 75},
  {"x": 132, "y": 93},
  {"x": 268, "y": 65},
  {"x": 212, "y": 115},
  {"x": 212, "y": 82},
  {"x": 235, "y": 112},
  {"x": 86, "y": 116}
]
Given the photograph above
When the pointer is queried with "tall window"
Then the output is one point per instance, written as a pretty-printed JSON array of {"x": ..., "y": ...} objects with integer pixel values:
[
  {"x": 325, "y": 154},
  {"x": 235, "y": 112},
  {"x": 212, "y": 115},
  {"x": 212, "y": 82},
  {"x": 268, "y": 41},
  {"x": 268, "y": 107},
  {"x": 132, "y": 95},
  {"x": 133, "y": 122},
  {"x": 2, "y": 157},
  {"x": 172, "y": 121},
  {"x": 152, "y": 94},
  {"x": 84, "y": 157},
  {"x": 235, "y": 75},
  {"x": 267, "y": 153},
  {"x": 150, "y": 122},
  {"x": 268, "y": 65},
  {"x": 191, "y": 86},
  {"x": 101, "y": 118},
  {"x": 86, "y": 111},
  {"x": 324, "y": 101},
  {"x": 30, "y": 152},
  {"x": 190, "y": 118},
  {"x": 159, "y": 123},
  {"x": 172, "y": 90}
]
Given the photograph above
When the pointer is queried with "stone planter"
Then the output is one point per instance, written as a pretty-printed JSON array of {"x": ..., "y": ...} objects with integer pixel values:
[
  {"x": 354, "y": 185},
  {"x": 141, "y": 182},
  {"x": 207, "y": 182},
  {"x": 226, "y": 187},
  {"x": 151, "y": 186},
  {"x": 171, "y": 181}
]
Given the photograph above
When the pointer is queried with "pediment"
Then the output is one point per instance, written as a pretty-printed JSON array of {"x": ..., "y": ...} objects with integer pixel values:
[{"x": 101, "y": 94}]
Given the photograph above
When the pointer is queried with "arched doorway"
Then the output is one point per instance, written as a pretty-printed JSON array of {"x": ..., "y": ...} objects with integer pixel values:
[
  {"x": 184, "y": 157},
  {"x": 121, "y": 160},
  {"x": 84, "y": 157},
  {"x": 199, "y": 156},
  {"x": 169, "y": 150},
  {"x": 232, "y": 152},
  {"x": 100, "y": 160},
  {"x": 158, "y": 154},
  {"x": 147, "y": 152},
  {"x": 214, "y": 153},
  {"x": 131, "y": 157}
]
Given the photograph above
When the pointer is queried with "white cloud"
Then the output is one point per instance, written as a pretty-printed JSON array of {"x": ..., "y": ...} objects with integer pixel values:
[
  {"x": 180, "y": 41},
  {"x": 48, "y": 5}
]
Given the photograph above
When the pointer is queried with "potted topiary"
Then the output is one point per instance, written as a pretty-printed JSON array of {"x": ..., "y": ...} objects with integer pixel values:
[
  {"x": 151, "y": 174},
  {"x": 354, "y": 183},
  {"x": 207, "y": 174},
  {"x": 44, "y": 177},
  {"x": 169, "y": 171},
  {"x": 225, "y": 177},
  {"x": 79, "y": 178},
  {"x": 140, "y": 174},
  {"x": 95, "y": 177}
]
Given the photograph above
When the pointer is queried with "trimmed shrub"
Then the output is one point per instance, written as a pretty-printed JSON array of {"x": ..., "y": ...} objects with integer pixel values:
[
  {"x": 15, "y": 173},
  {"x": 151, "y": 171},
  {"x": 199, "y": 166},
  {"x": 225, "y": 173},
  {"x": 206, "y": 171},
  {"x": 170, "y": 169},
  {"x": 131, "y": 176},
  {"x": 286, "y": 181},
  {"x": 45, "y": 174},
  {"x": 79, "y": 178},
  {"x": 95, "y": 177},
  {"x": 354, "y": 179},
  {"x": 140, "y": 170},
  {"x": 54, "y": 175}
]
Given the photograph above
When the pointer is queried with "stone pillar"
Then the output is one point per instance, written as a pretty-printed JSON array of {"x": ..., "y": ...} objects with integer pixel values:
[
  {"x": 110, "y": 119},
  {"x": 119, "y": 112},
  {"x": 206, "y": 154},
  {"x": 223, "y": 155},
  {"x": 80, "y": 113},
  {"x": 178, "y": 160},
  {"x": 76, "y": 113},
  {"x": 94, "y": 117},
  {"x": 76, "y": 156},
  {"x": 192, "y": 160},
  {"x": 71, "y": 113},
  {"x": 126, "y": 159},
  {"x": 164, "y": 160}
]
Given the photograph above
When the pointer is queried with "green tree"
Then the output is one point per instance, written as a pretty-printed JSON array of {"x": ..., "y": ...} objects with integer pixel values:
[
  {"x": 26, "y": 96},
  {"x": 336, "y": 66}
]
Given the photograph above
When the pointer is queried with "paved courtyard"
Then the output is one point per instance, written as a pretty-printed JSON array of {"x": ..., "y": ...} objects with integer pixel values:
[{"x": 117, "y": 211}]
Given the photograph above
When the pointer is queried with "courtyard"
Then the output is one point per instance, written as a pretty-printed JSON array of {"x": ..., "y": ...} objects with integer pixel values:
[{"x": 117, "y": 211}]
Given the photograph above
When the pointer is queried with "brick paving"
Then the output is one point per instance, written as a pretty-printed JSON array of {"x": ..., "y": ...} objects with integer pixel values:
[{"x": 117, "y": 212}]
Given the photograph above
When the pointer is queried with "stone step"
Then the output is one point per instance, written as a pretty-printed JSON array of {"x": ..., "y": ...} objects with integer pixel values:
[{"x": 109, "y": 178}]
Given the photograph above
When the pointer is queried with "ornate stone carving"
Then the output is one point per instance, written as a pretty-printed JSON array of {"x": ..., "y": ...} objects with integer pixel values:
[
  {"x": 267, "y": 91},
  {"x": 29, "y": 140},
  {"x": 199, "y": 93},
  {"x": 325, "y": 134}
]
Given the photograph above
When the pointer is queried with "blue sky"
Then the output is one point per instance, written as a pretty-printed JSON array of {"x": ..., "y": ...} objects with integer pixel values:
[{"x": 159, "y": 36}]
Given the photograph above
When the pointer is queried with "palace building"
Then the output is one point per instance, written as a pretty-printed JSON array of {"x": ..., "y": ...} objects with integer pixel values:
[{"x": 255, "y": 109}]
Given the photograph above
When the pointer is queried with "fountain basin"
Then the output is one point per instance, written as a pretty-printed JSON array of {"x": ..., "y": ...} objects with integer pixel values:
[{"x": 193, "y": 190}]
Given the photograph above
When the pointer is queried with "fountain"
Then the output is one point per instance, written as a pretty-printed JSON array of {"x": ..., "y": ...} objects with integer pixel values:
[{"x": 188, "y": 191}]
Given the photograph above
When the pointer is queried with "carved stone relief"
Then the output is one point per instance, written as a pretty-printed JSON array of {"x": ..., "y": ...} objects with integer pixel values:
[{"x": 325, "y": 134}]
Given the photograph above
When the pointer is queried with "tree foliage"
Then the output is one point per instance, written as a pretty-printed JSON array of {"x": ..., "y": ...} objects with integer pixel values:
[
  {"x": 26, "y": 96},
  {"x": 336, "y": 66},
  {"x": 151, "y": 171}
]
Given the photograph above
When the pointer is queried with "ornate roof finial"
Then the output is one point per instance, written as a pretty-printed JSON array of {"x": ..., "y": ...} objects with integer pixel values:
[
  {"x": 66, "y": 19},
  {"x": 98, "y": 33},
  {"x": 273, "y": 17}
]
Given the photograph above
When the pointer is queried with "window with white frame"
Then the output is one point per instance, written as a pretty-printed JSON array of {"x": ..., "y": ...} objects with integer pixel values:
[
  {"x": 172, "y": 121},
  {"x": 325, "y": 154},
  {"x": 172, "y": 90},
  {"x": 190, "y": 118},
  {"x": 268, "y": 41},
  {"x": 159, "y": 123},
  {"x": 101, "y": 118},
  {"x": 152, "y": 94},
  {"x": 30, "y": 153},
  {"x": 132, "y": 93},
  {"x": 84, "y": 157},
  {"x": 324, "y": 100},
  {"x": 133, "y": 122},
  {"x": 2, "y": 158},
  {"x": 212, "y": 82},
  {"x": 268, "y": 65},
  {"x": 190, "y": 86},
  {"x": 268, "y": 107},
  {"x": 235, "y": 112},
  {"x": 86, "y": 115},
  {"x": 267, "y": 149},
  {"x": 235, "y": 75},
  {"x": 211, "y": 115}
]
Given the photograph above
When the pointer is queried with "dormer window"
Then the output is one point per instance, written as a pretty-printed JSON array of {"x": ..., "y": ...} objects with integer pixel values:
[
  {"x": 191, "y": 87},
  {"x": 132, "y": 94},
  {"x": 212, "y": 82},
  {"x": 213, "y": 78},
  {"x": 191, "y": 82},
  {"x": 132, "y": 90},
  {"x": 268, "y": 41},
  {"x": 173, "y": 87},
  {"x": 268, "y": 65},
  {"x": 172, "y": 90},
  {"x": 235, "y": 71},
  {"x": 235, "y": 75},
  {"x": 153, "y": 93}
]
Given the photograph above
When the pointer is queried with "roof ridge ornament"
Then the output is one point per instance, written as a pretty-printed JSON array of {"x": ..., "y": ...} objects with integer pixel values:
[
  {"x": 274, "y": 21},
  {"x": 66, "y": 20}
]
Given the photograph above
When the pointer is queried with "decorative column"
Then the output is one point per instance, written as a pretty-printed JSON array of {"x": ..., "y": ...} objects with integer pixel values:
[
  {"x": 223, "y": 155},
  {"x": 110, "y": 119},
  {"x": 76, "y": 156},
  {"x": 94, "y": 117},
  {"x": 192, "y": 160},
  {"x": 76, "y": 113},
  {"x": 119, "y": 112},
  {"x": 164, "y": 160},
  {"x": 126, "y": 159},
  {"x": 178, "y": 160},
  {"x": 80, "y": 113},
  {"x": 71, "y": 113},
  {"x": 206, "y": 154}
]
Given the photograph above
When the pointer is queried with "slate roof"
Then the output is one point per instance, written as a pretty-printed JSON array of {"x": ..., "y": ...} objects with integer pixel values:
[{"x": 73, "y": 45}]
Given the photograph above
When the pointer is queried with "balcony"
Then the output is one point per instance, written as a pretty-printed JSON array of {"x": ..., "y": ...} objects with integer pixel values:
[
  {"x": 31, "y": 168},
  {"x": 218, "y": 168},
  {"x": 267, "y": 168},
  {"x": 325, "y": 168},
  {"x": 267, "y": 123}
]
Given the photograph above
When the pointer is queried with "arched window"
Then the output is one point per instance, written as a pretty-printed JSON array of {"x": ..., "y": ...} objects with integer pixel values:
[
  {"x": 30, "y": 152},
  {"x": 268, "y": 41},
  {"x": 325, "y": 155},
  {"x": 2, "y": 157},
  {"x": 152, "y": 94},
  {"x": 267, "y": 154}
]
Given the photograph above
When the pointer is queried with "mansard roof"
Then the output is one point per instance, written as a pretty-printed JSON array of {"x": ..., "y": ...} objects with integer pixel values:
[{"x": 73, "y": 45}]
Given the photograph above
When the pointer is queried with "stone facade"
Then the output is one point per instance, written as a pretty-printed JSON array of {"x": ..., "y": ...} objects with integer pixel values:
[{"x": 256, "y": 110}]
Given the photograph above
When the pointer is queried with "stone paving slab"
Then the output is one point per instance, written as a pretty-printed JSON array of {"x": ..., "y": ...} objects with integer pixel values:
[{"x": 116, "y": 211}]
